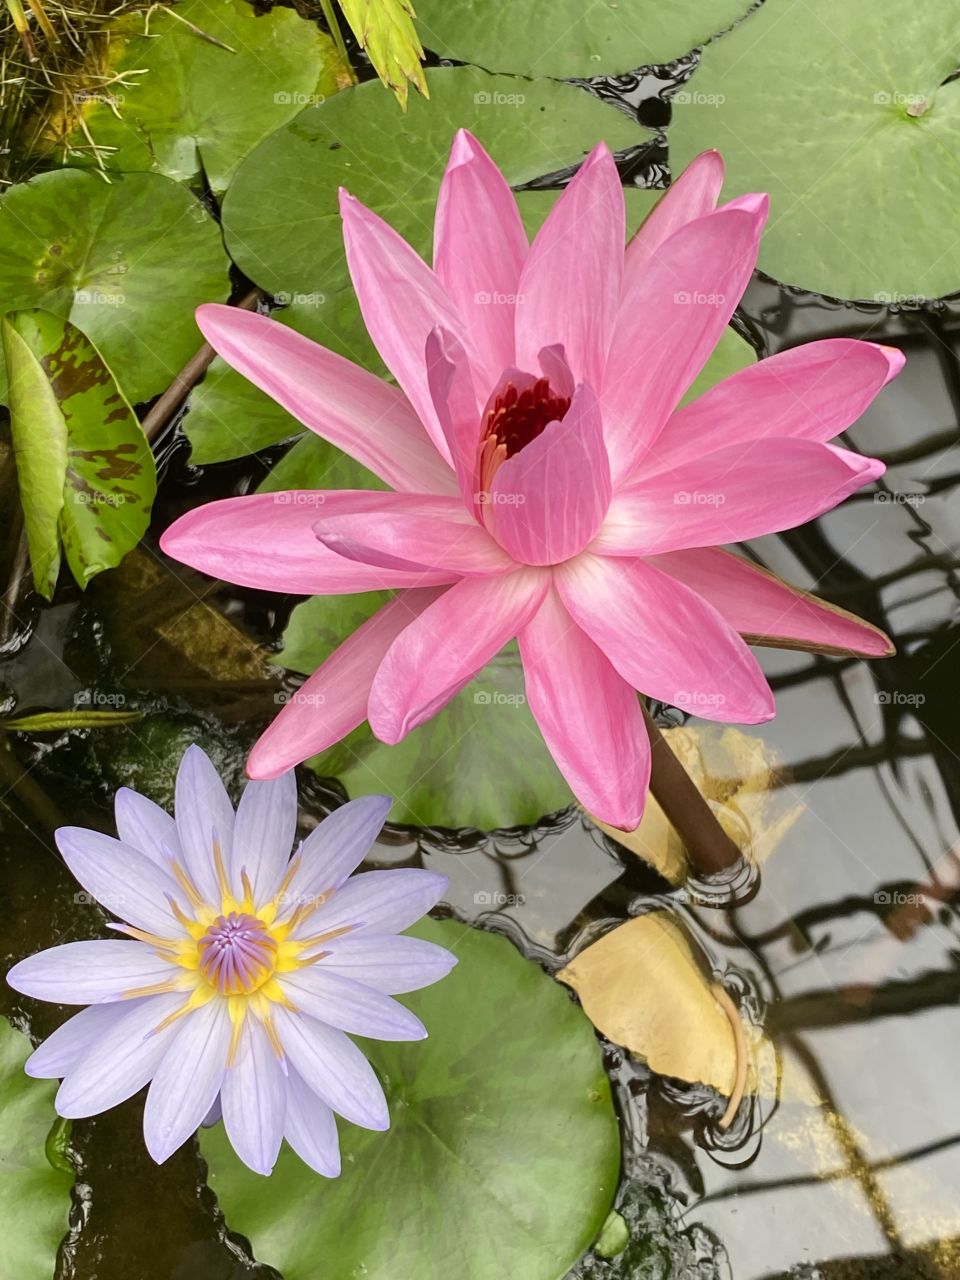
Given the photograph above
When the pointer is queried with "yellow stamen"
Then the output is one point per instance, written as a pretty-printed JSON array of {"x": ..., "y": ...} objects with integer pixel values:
[
  {"x": 222, "y": 882},
  {"x": 155, "y": 989},
  {"x": 271, "y": 1030},
  {"x": 152, "y": 939},
  {"x": 198, "y": 998},
  {"x": 186, "y": 884},
  {"x": 247, "y": 890}
]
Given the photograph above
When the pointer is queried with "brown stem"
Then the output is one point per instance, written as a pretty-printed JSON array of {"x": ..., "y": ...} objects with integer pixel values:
[
  {"x": 709, "y": 847},
  {"x": 18, "y": 572},
  {"x": 188, "y": 377}
]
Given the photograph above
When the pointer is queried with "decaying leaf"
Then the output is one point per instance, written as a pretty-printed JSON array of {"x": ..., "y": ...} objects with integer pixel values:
[
  {"x": 87, "y": 475},
  {"x": 643, "y": 986},
  {"x": 385, "y": 30},
  {"x": 737, "y": 773}
]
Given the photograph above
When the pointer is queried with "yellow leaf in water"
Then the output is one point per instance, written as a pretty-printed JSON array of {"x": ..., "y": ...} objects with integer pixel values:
[
  {"x": 644, "y": 988},
  {"x": 737, "y": 773}
]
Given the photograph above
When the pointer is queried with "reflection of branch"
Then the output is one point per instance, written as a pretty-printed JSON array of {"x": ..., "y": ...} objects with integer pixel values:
[
  {"x": 842, "y": 1005},
  {"x": 848, "y": 758}
]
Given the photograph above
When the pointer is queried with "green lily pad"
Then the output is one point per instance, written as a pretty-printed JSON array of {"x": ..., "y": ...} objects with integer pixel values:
[
  {"x": 34, "y": 1193},
  {"x": 280, "y": 217},
  {"x": 187, "y": 102},
  {"x": 569, "y": 38},
  {"x": 502, "y": 1158},
  {"x": 859, "y": 146},
  {"x": 126, "y": 262},
  {"x": 87, "y": 473}
]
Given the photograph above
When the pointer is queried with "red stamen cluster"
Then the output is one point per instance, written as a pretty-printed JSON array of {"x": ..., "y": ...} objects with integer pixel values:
[{"x": 513, "y": 420}]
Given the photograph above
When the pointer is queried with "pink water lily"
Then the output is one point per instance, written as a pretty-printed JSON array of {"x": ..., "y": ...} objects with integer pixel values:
[{"x": 546, "y": 484}]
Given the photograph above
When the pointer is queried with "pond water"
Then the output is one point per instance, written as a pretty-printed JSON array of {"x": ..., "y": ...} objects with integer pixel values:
[{"x": 855, "y": 984}]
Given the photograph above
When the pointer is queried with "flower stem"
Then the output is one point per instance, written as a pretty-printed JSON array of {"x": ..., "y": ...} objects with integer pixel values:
[{"x": 708, "y": 846}]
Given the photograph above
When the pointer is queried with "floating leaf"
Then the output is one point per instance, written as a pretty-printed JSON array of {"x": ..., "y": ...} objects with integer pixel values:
[
  {"x": 502, "y": 1157},
  {"x": 280, "y": 216},
  {"x": 125, "y": 262},
  {"x": 564, "y": 38},
  {"x": 58, "y": 721},
  {"x": 188, "y": 103},
  {"x": 384, "y": 30},
  {"x": 75, "y": 434},
  {"x": 860, "y": 95},
  {"x": 737, "y": 773},
  {"x": 34, "y": 1192},
  {"x": 643, "y": 986}
]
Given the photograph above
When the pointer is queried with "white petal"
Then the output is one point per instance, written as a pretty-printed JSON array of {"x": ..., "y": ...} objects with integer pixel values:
[
  {"x": 310, "y": 1127},
  {"x": 122, "y": 879},
  {"x": 341, "y": 1002},
  {"x": 388, "y": 962},
  {"x": 146, "y": 826},
  {"x": 121, "y": 1061},
  {"x": 204, "y": 815},
  {"x": 90, "y": 972},
  {"x": 336, "y": 848},
  {"x": 334, "y": 1068},
  {"x": 62, "y": 1050},
  {"x": 263, "y": 834},
  {"x": 378, "y": 901},
  {"x": 253, "y": 1097},
  {"x": 187, "y": 1080}
]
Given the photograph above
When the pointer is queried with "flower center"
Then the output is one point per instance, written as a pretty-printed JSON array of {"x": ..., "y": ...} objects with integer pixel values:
[
  {"x": 512, "y": 420},
  {"x": 237, "y": 954}
]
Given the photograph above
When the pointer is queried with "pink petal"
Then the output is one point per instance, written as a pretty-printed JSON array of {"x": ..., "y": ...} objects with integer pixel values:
[
  {"x": 447, "y": 645},
  {"x": 409, "y": 530},
  {"x": 333, "y": 701},
  {"x": 812, "y": 392},
  {"x": 359, "y": 413},
  {"x": 266, "y": 540},
  {"x": 550, "y": 499},
  {"x": 744, "y": 491},
  {"x": 455, "y": 400},
  {"x": 570, "y": 285},
  {"x": 665, "y": 639},
  {"x": 479, "y": 247},
  {"x": 590, "y": 716},
  {"x": 767, "y": 610},
  {"x": 401, "y": 300},
  {"x": 693, "y": 195},
  {"x": 668, "y": 324}
]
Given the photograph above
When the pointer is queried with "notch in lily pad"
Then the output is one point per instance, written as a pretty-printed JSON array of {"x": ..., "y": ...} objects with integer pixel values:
[{"x": 86, "y": 472}]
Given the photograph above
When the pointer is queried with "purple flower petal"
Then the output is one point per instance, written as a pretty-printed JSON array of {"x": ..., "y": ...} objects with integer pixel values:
[
  {"x": 380, "y": 901},
  {"x": 310, "y": 1127},
  {"x": 145, "y": 826},
  {"x": 337, "y": 847},
  {"x": 253, "y": 1097},
  {"x": 62, "y": 1050},
  {"x": 214, "y": 1115},
  {"x": 122, "y": 879},
  {"x": 263, "y": 834},
  {"x": 387, "y": 962},
  {"x": 121, "y": 1061},
  {"x": 341, "y": 1002},
  {"x": 204, "y": 814},
  {"x": 334, "y": 1068},
  {"x": 90, "y": 972},
  {"x": 187, "y": 1079}
]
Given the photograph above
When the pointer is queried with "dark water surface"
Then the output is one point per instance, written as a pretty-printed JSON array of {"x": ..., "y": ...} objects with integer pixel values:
[{"x": 856, "y": 986}]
